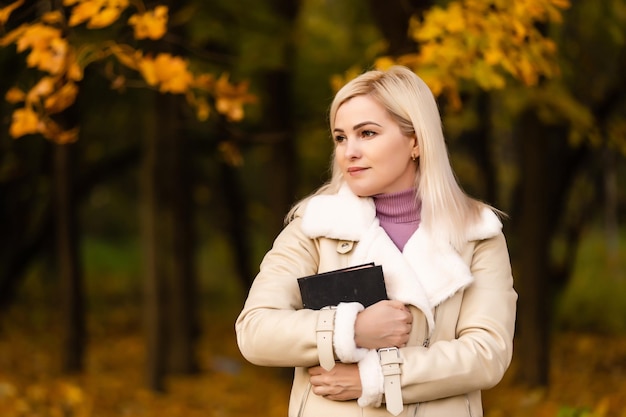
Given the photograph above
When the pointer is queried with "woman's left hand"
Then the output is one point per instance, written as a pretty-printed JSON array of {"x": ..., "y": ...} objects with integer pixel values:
[{"x": 342, "y": 383}]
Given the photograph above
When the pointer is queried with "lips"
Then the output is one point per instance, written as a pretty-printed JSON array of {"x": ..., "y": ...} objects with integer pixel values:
[{"x": 355, "y": 170}]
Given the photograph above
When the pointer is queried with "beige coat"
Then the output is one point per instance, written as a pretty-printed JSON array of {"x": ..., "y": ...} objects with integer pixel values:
[{"x": 463, "y": 307}]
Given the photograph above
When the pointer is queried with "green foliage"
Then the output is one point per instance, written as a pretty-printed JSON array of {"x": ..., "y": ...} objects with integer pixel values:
[
  {"x": 112, "y": 266},
  {"x": 591, "y": 41},
  {"x": 594, "y": 299},
  {"x": 574, "y": 412}
]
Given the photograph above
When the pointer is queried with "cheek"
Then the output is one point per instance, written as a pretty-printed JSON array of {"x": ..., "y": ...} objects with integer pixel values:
[
  {"x": 337, "y": 161},
  {"x": 338, "y": 154}
]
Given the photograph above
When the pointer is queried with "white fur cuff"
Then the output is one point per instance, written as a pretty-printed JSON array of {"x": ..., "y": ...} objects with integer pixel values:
[
  {"x": 343, "y": 337},
  {"x": 372, "y": 380}
]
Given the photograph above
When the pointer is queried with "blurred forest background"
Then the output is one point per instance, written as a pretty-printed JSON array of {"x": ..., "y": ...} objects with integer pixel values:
[{"x": 150, "y": 149}]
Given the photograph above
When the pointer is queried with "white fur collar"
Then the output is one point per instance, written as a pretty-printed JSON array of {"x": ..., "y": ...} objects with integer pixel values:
[
  {"x": 425, "y": 274},
  {"x": 343, "y": 216}
]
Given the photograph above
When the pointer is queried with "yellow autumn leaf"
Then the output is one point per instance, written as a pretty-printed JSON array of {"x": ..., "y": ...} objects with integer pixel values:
[
  {"x": 519, "y": 29},
  {"x": 487, "y": 77},
  {"x": 484, "y": 42},
  {"x": 5, "y": 12},
  {"x": 170, "y": 73},
  {"x": 63, "y": 137},
  {"x": 231, "y": 154},
  {"x": 147, "y": 69},
  {"x": 72, "y": 394},
  {"x": 230, "y": 98},
  {"x": 201, "y": 104},
  {"x": 204, "y": 82},
  {"x": 13, "y": 36},
  {"x": 54, "y": 59},
  {"x": 431, "y": 27},
  {"x": 384, "y": 63},
  {"x": 434, "y": 82},
  {"x": 49, "y": 51},
  {"x": 337, "y": 81},
  {"x": 118, "y": 83},
  {"x": 455, "y": 22},
  {"x": 151, "y": 24},
  {"x": 412, "y": 60},
  {"x": 175, "y": 78},
  {"x": 104, "y": 18},
  {"x": 62, "y": 98},
  {"x": 231, "y": 108},
  {"x": 24, "y": 122},
  {"x": 55, "y": 133},
  {"x": 84, "y": 11},
  {"x": 126, "y": 55},
  {"x": 97, "y": 13},
  {"x": 43, "y": 88},
  {"x": 52, "y": 18},
  {"x": 15, "y": 95},
  {"x": 36, "y": 36},
  {"x": 493, "y": 56},
  {"x": 74, "y": 70},
  {"x": 526, "y": 72}
]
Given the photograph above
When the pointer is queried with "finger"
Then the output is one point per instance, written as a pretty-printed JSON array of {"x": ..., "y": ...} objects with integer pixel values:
[
  {"x": 314, "y": 382},
  {"x": 315, "y": 370},
  {"x": 317, "y": 390},
  {"x": 397, "y": 304}
]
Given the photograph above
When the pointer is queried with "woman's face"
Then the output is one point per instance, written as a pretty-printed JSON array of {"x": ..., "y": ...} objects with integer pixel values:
[{"x": 371, "y": 151}]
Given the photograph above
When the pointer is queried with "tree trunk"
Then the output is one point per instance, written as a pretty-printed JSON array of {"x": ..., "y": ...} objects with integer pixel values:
[
  {"x": 71, "y": 301},
  {"x": 170, "y": 317},
  {"x": 278, "y": 118},
  {"x": 236, "y": 225},
  {"x": 611, "y": 193},
  {"x": 178, "y": 240},
  {"x": 171, "y": 323},
  {"x": 478, "y": 143},
  {"x": 548, "y": 166},
  {"x": 154, "y": 275},
  {"x": 532, "y": 274},
  {"x": 392, "y": 18},
  {"x": 282, "y": 177}
]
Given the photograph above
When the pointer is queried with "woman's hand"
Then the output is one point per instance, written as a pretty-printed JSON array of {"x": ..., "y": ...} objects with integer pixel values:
[
  {"x": 342, "y": 383},
  {"x": 384, "y": 324}
]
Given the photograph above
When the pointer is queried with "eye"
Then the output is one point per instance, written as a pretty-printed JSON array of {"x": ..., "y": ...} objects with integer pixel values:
[
  {"x": 368, "y": 133},
  {"x": 339, "y": 138}
]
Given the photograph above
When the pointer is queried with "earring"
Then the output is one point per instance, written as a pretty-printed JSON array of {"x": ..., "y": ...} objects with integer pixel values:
[{"x": 413, "y": 157}]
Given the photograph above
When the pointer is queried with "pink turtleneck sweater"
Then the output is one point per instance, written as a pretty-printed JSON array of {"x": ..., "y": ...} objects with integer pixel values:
[{"x": 399, "y": 215}]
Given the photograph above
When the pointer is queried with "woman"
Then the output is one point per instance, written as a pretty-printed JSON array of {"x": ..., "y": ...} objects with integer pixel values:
[{"x": 446, "y": 332}]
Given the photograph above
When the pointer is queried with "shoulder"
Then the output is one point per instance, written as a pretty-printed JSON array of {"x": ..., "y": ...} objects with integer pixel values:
[
  {"x": 342, "y": 215},
  {"x": 487, "y": 224}
]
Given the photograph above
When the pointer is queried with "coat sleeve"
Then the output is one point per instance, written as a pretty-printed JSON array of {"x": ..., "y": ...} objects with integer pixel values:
[
  {"x": 272, "y": 328},
  {"x": 480, "y": 351}
]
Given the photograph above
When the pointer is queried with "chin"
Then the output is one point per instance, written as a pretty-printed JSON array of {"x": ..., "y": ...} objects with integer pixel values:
[{"x": 361, "y": 192}]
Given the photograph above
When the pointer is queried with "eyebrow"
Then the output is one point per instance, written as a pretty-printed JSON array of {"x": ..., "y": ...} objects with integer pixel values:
[{"x": 358, "y": 126}]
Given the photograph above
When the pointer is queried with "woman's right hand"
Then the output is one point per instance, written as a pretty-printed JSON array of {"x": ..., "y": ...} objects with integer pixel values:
[{"x": 384, "y": 324}]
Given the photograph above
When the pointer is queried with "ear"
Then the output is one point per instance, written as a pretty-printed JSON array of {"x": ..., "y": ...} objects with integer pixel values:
[{"x": 415, "y": 151}]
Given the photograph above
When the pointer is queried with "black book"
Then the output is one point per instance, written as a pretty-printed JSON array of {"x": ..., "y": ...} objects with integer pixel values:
[{"x": 363, "y": 283}]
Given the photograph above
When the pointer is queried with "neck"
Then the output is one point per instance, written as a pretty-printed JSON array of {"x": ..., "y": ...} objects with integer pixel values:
[
  {"x": 399, "y": 207},
  {"x": 399, "y": 215}
]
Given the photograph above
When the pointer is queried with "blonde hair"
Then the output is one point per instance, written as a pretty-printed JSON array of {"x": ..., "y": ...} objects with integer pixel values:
[{"x": 446, "y": 209}]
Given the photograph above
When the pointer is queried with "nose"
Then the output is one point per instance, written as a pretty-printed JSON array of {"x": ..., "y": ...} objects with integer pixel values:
[{"x": 352, "y": 149}]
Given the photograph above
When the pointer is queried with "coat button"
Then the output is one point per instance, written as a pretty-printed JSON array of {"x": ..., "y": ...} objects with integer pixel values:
[{"x": 344, "y": 246}]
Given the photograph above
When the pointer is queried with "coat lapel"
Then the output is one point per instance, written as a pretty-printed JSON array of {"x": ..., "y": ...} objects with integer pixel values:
[
  {"x": 425, "y": 274},
  {"x": 401, "y": 279}
]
